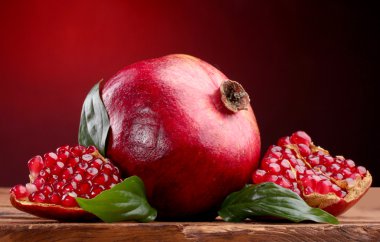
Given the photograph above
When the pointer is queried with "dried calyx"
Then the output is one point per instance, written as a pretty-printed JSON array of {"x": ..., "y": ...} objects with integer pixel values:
[{"x": 330, "y": 183}]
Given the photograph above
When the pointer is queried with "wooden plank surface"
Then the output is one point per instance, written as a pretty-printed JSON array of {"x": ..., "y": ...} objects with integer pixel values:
[{"x": 361, "y": 223}]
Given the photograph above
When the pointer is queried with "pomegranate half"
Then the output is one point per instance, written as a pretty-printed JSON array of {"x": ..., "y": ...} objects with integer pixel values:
[
  {"x": 57, "y": 178},
  {"x": 185, "y": 129},
  {"x": 333, "y": 184}
]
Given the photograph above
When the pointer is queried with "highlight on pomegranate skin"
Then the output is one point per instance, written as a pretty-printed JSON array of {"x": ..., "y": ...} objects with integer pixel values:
[
  {"x": 57, "y": 178},
  {"x": 322, "y": 180}
]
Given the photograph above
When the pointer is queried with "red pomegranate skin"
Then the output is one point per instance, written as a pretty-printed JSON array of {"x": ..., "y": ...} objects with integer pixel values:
[{"x": 170, "y": 128}]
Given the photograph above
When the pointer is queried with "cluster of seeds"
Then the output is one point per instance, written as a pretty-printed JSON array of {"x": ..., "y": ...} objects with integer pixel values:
[
  {"x": 57, "y": 178},
  {"x": 295, "y": 163}
]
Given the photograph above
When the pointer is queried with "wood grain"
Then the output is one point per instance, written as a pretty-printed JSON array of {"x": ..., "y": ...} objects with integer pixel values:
[{"x": 361, "y": 223}]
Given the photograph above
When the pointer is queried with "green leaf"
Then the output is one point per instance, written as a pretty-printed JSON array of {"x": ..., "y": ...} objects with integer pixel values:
[
  {"x": 125, "y": 201},
  {"x": 270, "y": 199},
  {"x": 94, "y": 122}
]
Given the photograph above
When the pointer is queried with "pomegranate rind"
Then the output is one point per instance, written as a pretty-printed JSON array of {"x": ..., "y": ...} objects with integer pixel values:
[{"x": 52, "y": 211}]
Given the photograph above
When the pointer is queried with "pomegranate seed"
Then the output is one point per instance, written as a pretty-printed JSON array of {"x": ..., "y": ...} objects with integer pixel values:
[
  {"x": 37, "y": 197},
  {"x": 91, "y": 149},
  {"x": 308, "y": 190},
  {"x": 66, "y": 174},
  {"x": 82, "y": 166},
  {"x": 304, "y": 149},
  {"x": 350, "y": 182},
  {"x": 290, "y": 174},
  {"x": 59, "y": 185},
  {"x": 92, "y": 171},
  {"x": 335, "y": 187},
  {"x": 274, "y": 168},
  {"x": 276, "y": 148},
  {"x": 57, "y": 169},
  {"x": 78, "y": 150},
  {"x": 95, "y": 191},
  {"x": 101, "y": 179},
  {"x": 63, "y": 156},
  {"x": 285, "y": 163},
  {"x": 72, "y": 162},
  {"x": 324, "y": 187},
  {"x": 74, "y": 184},
  {"x": 300, "y": 169},
  {"x": 355, "y": 176},
  {"x": 78, "y": 177},
  {"x": 346, "y": 172},
  {"x": 334, "y": 167},
  {"x": 30, "y": 188},
  {"x": 338, "y": 176},
  {"x": 84, "y": 187},
  {"x": 322, "y": 168},
  {"x": 282, "y": 181},
  {"x": 35, "y": 165},
  {"x": 362, "y": 171},
  {"x": 68, "y": 201},
  {"x": 276, "y": 155},
  {"x": 50, "y": 159},
  {"x": 67, "y": 188},
  {"x": 97, "y": 163},
  {"x": 300, "y": 162},
  {"x": 19, "y": 191},
  {"x": 87, "y": 157},
  {"x": 289, "y": 156},
  {"x": 341, "y": 193},
  {"x": 39, "y": 182},
  {"x": 54, "y": 198},
  {"x": 309, "y": 172},
  {"x": 258, "y": 176},
  {"x": 283, "y": 141},
  {"x": 115, "y": 179},
  {"x": 300, "y": 137},
  {"x": 271, "y": 178},
  {"x": 349, "y": 163},
  {"x": 62, "y": 149},
  {"x": 327, "y": 160},
  {"x": 108, "y": 169},
  {"x": 314, "y": 160},
  {"x": 46, "y": 190}
]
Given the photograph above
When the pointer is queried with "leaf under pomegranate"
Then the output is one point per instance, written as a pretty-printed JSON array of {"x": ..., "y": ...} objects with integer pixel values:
[
  {"x": 125, "y": 201},
  {"x": 270, "y": 199},
  {"x": 94, "y": 122}
]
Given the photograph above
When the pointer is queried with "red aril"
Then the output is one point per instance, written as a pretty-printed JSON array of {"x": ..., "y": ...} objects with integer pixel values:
[
  {"x": 185, "y": 129},
  {"x": 333, "y": 184},
  {"x": 57, "y": 179}
]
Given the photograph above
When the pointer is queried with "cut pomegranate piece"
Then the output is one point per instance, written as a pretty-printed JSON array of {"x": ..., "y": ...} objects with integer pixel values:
[
  {"x": 57, "y": 178},
  {"x": 333, "y": 184}
]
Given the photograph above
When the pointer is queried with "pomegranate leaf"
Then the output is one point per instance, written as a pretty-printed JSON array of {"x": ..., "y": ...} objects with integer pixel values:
[
  {"x": 125, "y": 201},
  {"x": 94, "y": 123},
  {"x": 270, "y": 199}
]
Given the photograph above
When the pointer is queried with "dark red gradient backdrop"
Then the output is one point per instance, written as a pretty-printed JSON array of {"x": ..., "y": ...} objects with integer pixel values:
[{"x": 310, "y": 66}]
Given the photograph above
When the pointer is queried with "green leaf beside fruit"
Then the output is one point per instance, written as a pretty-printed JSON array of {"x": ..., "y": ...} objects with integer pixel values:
[
  {"x": 126, "y": 201},
  {"x": 94, "y": 122},
  {"x": 270, "y": 199}
]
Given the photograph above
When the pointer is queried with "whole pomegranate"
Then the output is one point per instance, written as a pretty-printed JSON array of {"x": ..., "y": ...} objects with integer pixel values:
[
  {"x": 58, "y": 177},
  {"x": 185, "y": 129},
  {"x": 331, "y": 183}
]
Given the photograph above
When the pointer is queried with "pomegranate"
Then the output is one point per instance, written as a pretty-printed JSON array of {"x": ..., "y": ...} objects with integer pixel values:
[
  {"x": 185, "y": 129},
  {"x": 333, "y": 184},
  {"x": 57, "y": 178}
]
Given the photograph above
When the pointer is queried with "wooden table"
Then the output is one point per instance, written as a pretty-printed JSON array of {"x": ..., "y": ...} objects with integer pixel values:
[{"x": 361, "y": 223}]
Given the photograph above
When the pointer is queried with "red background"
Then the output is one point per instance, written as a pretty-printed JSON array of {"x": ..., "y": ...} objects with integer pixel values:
[{"x": 308, "y": 66}]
